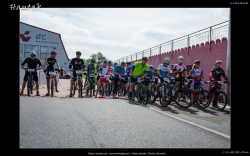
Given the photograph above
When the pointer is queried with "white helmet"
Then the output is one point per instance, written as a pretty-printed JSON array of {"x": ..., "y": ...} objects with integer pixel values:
[
  {"x": 166, "y": 60},
  {"x": 218, "y": 61},
  {"x": 180, "y": 59},
  {"x": 32, "y": 53}
]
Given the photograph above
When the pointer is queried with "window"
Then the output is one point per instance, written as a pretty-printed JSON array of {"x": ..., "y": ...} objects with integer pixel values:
[
  {"x": 43, "y": 56},
  {"x": 21, "y": 61},
  {"x": 21, "y": 50},
  {"x": 29, "y": 48},
  {"x": 44, "y": 49},
  {"x": 27, "y": 54}
]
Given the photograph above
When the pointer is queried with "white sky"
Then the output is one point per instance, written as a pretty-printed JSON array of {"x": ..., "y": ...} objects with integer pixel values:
[{"x": 119, "y": 32}]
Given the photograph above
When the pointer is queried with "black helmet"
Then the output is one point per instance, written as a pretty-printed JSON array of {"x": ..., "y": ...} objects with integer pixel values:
[
  {"x": 105, "y": 61},
  {"x": 115, "y": 64},
  {"x": 128, "y": 63},
  {"x": 197, "y": 62},
  {"x": 123, "y": 63},
  {"x": 144, "y": 58},
  {"x": 78, "y": 53}
]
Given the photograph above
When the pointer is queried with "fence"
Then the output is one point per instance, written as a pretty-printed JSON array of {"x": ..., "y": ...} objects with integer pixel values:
[{"x": 209, "y": 34}]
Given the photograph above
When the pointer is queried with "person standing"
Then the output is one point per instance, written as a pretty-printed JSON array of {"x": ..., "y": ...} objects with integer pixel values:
[
  {"x": 49, "y": 66},
  {"x": 32, "y": 63},
  {"x": 75, "y": 64}
]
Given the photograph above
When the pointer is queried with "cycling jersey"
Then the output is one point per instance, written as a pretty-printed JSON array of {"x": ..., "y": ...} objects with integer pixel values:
[
  {"x": 196, "y": 72},
  {"x": 139, "y": 69},
  {"x": 163, "y": 70},
  {"x": 32, "y": 64},
  {"x": 181, "y": 67},
  {"x": 91, "y": 68},
  {"x": 77, "y": 63},
  {"x": 103, "y": 71},
  {"x": 128, "y": 70},
  {"x": 217, "y": 73},
  {"x": 50, "y": 63},
  {"x": 119, "y": 70}
]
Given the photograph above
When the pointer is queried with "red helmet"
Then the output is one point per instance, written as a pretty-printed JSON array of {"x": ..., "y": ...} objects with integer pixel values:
[{"x": 53, "y": 53}]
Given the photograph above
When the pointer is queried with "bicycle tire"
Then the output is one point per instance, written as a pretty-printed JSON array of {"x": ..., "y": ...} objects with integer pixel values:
[
  {"x": 28, "y": 86},
  {"x": 121, "y": 90},
  {"x": 151, "y": 94},
  {"x": 74, "y": 89},
  {"x": 31, "y": 86},
  {"x": 204, "y": 99},
  {"x": 185, "y": 99},
  {"x": 52, "y": 87},
  {"x": 221, "y": 100},
  {"x": 143, "y": 95},
  {"x": 165, "y": 100},
  {"x": 79, "y": 88},
  {"x": 90, "y": 88}
]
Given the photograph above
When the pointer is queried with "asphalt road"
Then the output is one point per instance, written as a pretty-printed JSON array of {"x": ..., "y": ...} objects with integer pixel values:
[{"x": 62, "y": 122}]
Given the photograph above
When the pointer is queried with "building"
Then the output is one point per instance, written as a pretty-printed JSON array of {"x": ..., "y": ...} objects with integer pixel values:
[{"x": 41, "y": 41}]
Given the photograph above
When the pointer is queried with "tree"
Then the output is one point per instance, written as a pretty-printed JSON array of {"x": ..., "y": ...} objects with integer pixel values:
[{"x": 99, "y": 57}]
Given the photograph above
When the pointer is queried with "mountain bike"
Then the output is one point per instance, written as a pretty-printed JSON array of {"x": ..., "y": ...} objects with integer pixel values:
[
  {"x": 105, "y": 87},
  {"x": 141, "y": 91},
  {"x": 52, "y": 75},
  {"x": 91, "y": 87},
  {"x": 201, "y": 97},
  {"x": 30, "y": 81},
  {"x": 78, "y": 85},
  {"x": 121, "y": 86},
  {"x": 218, "y": 95}
]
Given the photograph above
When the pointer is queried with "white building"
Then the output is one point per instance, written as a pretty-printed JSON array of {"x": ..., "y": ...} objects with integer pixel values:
[{"x": 42, "y": 42}]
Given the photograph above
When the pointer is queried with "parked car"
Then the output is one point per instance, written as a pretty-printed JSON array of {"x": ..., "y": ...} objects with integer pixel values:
[{"x": 64, "y": 74}]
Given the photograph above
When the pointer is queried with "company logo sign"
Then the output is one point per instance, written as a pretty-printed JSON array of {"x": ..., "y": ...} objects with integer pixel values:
[{"x": 27, "y": 38}]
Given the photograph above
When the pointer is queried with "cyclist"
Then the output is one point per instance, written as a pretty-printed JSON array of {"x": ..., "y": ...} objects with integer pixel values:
[
  {"x": 215, "y": 75},
  {"x": 111, "y": 69},
  {"x": 91, "y": 69},
  {"x": 180, "y": 71},
  {"x": 190, "y": 78},
  {"x": 119, "y": 70},
  {"x": 197, "y": 75},
  {"x": 104, "y": 70},
  {"x": 49, "y": 66},
  {"x": 32, "y": 63},
  {"x": 75, "y": 64},
  {"x": 163, "y": 72},
  {"x": 137, "y": 70},
  {"x": 129, "y": 65}
]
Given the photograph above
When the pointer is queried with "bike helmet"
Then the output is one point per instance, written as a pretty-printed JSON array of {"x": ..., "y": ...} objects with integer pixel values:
[
  {"x": 145, "y": 58},
  {"x": 115, "y": 64},
  {"x": 218, "y": 61},
  {"x": 128, "y": 63},
  {"x": 166, "y": 60},
  {"x": 180, "y": 59},
  {"x": 151, "y": 67},
  {"x": 92, "y": 60},
  {"x": 123, "y": 63},
  {"x": 105, "y": 61},
  {"x": 32, "y": 53},
  {"x": 197, "y": 62},
  {"x": 78, "y": 53},
  {"x": 53, "y": 53}
]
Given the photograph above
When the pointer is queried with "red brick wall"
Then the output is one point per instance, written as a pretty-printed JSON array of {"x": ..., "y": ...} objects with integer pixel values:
[{"x": 200, "y": 52}]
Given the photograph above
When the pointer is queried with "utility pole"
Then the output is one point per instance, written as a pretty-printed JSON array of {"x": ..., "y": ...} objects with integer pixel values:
[{"x": 228, "y": 86}]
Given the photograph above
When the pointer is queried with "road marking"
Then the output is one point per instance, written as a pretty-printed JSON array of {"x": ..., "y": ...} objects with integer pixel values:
[{"x": 191, "y": 123}]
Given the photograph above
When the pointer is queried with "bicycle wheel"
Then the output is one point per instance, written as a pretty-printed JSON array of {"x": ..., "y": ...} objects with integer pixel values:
[
  {"x": 28, "y": 86},
  {"x": 91, "y": 88},
  {"x": 31, "y": 86},
  {"x": 74, "y": 89},
  {"x": 52, "y": 87},
  {"x": 203, "y": 100},
  {"x": 121, "y": 90},
  {"x": 79, "y": 88},
  {"x": 143, "y": 95},
  {"x": 165, "y": 96},
  {"x": 152, "y": 97},
  {"x": 221, "y": 100},
  {"x": 185, "y": 100}
]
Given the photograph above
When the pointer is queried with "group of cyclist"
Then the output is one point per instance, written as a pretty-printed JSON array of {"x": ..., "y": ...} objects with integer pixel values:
[{"x": 130, "y": 72}]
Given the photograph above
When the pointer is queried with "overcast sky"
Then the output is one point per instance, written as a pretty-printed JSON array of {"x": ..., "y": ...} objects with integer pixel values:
[{"x": 119, "y": 32}]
